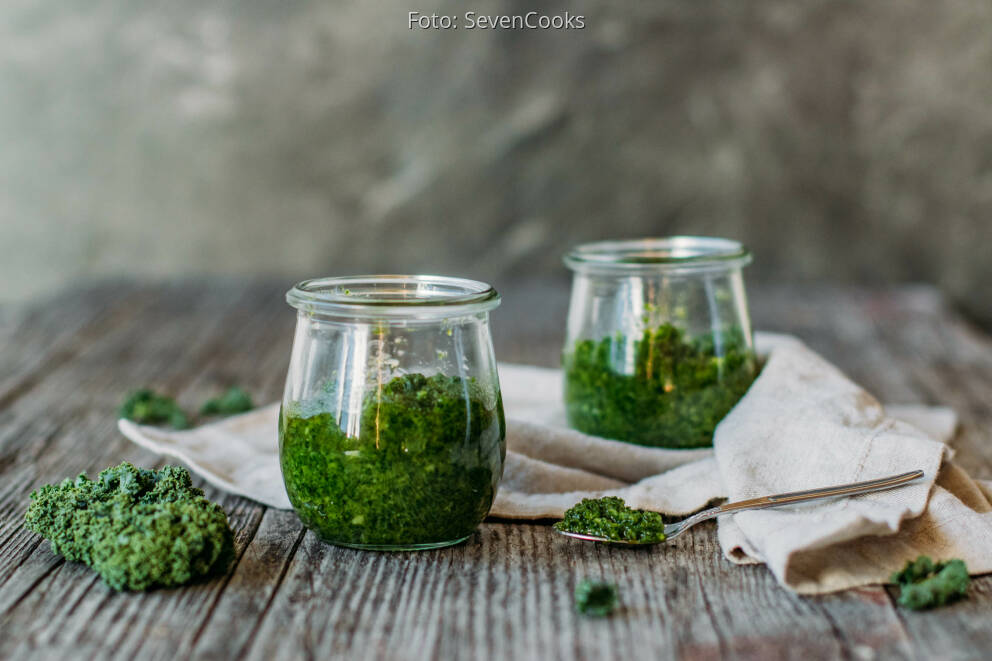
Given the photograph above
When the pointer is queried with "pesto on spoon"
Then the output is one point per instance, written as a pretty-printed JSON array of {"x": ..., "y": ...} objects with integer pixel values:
[{"x": 610, "y": 520}]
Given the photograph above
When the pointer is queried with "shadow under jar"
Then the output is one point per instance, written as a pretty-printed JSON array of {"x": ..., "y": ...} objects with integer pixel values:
[
  {"x": 658, "y": 346},
  {"x": 391, "y": 432}
]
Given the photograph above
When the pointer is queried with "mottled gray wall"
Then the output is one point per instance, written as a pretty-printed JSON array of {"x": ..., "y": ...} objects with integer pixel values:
[{"x": 841, "y": 140}]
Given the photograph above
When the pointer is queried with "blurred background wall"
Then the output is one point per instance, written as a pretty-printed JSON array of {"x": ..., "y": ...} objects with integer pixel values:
[{"x": 843, "y": 141}]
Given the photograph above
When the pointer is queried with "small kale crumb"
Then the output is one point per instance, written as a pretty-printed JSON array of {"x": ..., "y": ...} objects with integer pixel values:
[
  {"x": 596, "y": 598},
  {"x": 136, "y": 528},
  {"x": 611, "y": 518},
  {"x": 235, "y": 400},
  {"x": 924, "y": 584},
  {"x": 147, "y": 407}
]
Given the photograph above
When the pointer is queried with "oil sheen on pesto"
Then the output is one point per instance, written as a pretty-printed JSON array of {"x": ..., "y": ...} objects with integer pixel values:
[
  {"x": 422, "y": 468},
  {"x": 673, "y": 395}
]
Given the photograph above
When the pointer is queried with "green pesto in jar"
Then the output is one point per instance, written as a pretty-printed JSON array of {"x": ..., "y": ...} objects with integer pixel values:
[
  {"x": 422, "y": 470},
  {"x": 674, "y": 395}
]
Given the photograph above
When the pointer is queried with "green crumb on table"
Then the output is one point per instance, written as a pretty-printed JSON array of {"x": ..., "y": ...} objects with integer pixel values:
[
  {"x": 422, "y": 468},
  {"x": 925, "y": 584},
  {"x": 596, "y": 598},
  {"x": 673, "y": 394},
  {"x": 234, "y": 400},
  {"x": 147, "y": 407},
  {"x": 611, "y": 518},
  {"x": 135, "y": 527}
]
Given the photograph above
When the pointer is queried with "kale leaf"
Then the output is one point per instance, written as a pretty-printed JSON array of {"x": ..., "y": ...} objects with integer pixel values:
[
  {"x": 596, "y": 598},
  {"x": 147, "y": 407},
  {"x": 611, "y": 518},
  {"x": 135, "y": 527},
  {"x": 234, "y": 400},
  {"x": 926, "y": 584}
]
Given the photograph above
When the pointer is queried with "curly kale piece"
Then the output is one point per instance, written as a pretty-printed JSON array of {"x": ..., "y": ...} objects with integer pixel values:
[
  {"x": 673, "y": 394},
  {"x": 611, "y": 518},
  {"x": 596, "y": 598},
  {"x": 147, "y": 407},
  {"x": 135, "y": 527},
  {"x": 234, "y": 400},
  {"x": 926, "y": 584}
]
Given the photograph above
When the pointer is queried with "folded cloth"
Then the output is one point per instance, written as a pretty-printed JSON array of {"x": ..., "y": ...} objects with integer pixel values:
[{"x": 801, "y": 425}]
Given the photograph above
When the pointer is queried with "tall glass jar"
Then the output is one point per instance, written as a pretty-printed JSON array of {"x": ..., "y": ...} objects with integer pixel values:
[
  {"x": 391, "y": 433},
  {"x": 659, "y": 344}
]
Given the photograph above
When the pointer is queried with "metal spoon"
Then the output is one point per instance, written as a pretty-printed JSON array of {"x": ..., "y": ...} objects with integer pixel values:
[{"x": 673, "y": 530}]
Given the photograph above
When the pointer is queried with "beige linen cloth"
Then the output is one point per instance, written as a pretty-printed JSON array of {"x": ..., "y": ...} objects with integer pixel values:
[{"x": 802, "y": 424}]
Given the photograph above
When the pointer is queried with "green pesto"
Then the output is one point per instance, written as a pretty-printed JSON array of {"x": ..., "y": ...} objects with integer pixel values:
[
  {"x": 422, "y": 470},
  {"x": 675, "y": 394},
  {"x": 925, "y": 584},
  {"x": 234, "y": 400},
  {"x": 611, "y": 518},
  {"x": 147, "y": 407},
  {"x": 137, "y": 528},
  {"x": 596, "y": 598}
]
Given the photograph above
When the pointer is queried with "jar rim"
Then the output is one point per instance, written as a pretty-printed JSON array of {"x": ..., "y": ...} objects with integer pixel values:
[
  {"x": 664, "y": 254},
  {"x": 385, "y": 295}
]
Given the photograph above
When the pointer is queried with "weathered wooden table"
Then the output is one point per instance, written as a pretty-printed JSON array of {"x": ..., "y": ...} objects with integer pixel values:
[{"x": 506, "y": 594}]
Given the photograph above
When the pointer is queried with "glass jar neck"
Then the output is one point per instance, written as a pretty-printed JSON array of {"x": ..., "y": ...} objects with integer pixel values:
[
  {"x": 670, "y": 256},
  {"x": 391, "y": 298}
]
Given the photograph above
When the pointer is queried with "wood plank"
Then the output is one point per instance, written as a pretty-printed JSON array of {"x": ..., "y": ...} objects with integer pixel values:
[
  {"x": 951, "y": 363},
  {"x": 232, "y": 626},
  {"x": 506, "y": 593},
  {"x": 51, "y": 333},
  {"x": 917, "y": 345},
  {"x": 509, "y": 595},
  {"x": 158, "y": 333}
]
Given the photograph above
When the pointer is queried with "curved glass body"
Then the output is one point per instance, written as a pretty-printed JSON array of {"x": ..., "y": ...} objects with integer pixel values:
[
  {"x": 391, "y": 433},
  {"x": 659, "y": 344}
]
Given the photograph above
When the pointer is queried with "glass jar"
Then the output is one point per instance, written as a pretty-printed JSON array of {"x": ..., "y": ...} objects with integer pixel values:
[
  {"x": 658, "y": 345},
  {"x": 391, "y": 432}
]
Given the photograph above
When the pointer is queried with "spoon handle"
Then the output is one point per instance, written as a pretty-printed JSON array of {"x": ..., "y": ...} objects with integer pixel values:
[{"x": 780, "y": 499}]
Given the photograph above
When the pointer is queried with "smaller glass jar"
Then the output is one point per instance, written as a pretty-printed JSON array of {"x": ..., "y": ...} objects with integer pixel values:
[
  {"x": 391, "y": 432},
  {"x": 658, "y": 346}
]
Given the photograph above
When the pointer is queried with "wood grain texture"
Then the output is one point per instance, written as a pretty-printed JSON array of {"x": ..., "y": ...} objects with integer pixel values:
[{"x": 506, "y": 594}]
